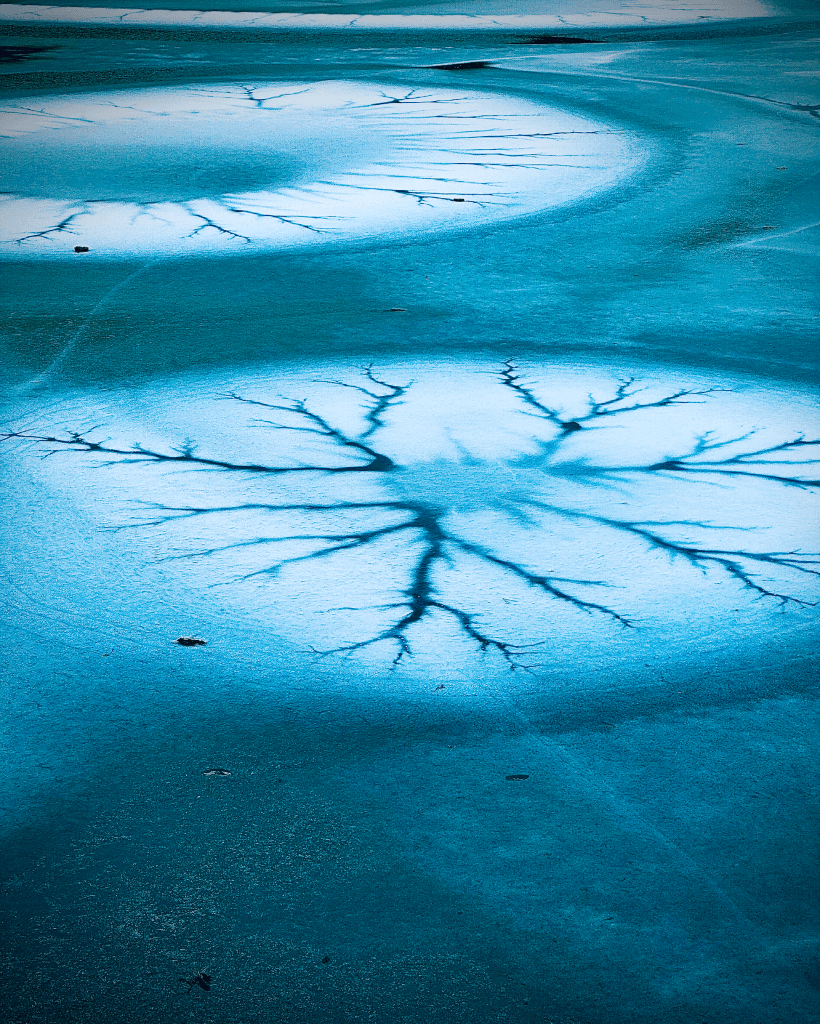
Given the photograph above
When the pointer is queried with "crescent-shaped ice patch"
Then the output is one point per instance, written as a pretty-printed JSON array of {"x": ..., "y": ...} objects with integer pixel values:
[{"x": 249, "y": 167}]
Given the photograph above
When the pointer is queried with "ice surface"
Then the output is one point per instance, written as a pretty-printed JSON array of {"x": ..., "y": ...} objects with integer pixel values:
[
  {"x": 433, "y": 14},
  {"x": 374, "y": 853}
]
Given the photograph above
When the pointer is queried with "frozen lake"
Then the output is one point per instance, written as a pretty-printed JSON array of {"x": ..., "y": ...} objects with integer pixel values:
[{"x": 458, "y": 385}]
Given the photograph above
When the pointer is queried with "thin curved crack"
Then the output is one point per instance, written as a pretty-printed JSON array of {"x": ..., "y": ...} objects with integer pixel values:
[
  {"x": 422, "y": 177},
  {"x": 421, "y": 599},
  {"x": 510, "y": 652},
  {"x": 45, "y": 113},
  {"x": 379, "y": 462},
  {"x": 187, "y": 455},
  {"x": 544, "y": 583},
  {"x": 428, "y": 198},
  {"x": 259, "y": 102},
  {"x": 730, "y": 560},
  {"x": 737, "y": 465},
  {"x": 410, "y": 97},
  {"x": 297, "y": 222}
]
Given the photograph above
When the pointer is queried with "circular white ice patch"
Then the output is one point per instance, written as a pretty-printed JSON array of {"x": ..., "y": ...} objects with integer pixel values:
[
  {"x": 429, "y": 514},
  {"x": 239, "y": 168}
]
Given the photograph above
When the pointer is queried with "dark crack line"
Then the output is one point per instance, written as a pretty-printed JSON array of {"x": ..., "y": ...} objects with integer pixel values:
[
  {"x": 544, "y": 583},
  {"x": 186, "y": 455},
  {"x": 297, "y": 223},
  {"x": 380, "y": 403},
  {"x": 730, "y": 560},
  {"x": 424, "y": 198},
  {"x": 45, "y": 113},
  {"x": 623, "y": 393},
  {"x": 259, "y": 103},
  {"x": 420, "y": 177},
  {"x": 715, "y": 469},
  {"x": 379, "y": 462},
  {"x": 409, "y": 98},
  {"x": 511, "y": 378},
  {"x": 518, "y": 166},
  {"x": 736, "y": 465},
  {"x": 209, "y": 223},
  {"x": 176, "y": 513},
  {"x": 62, "y": 228}
]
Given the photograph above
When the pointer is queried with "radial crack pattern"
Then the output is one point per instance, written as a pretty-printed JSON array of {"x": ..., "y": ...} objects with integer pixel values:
[{"x": 404, "y": 522}]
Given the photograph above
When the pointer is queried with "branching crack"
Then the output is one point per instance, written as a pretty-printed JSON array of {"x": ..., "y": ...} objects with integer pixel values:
[
  {"x": 411, "y": 97},
  {"x": 297, "y": 222},
  {"x": 260, "y": 101},
  {"x": 207, "y": 222},
  {"x": 64, "y": 227}
]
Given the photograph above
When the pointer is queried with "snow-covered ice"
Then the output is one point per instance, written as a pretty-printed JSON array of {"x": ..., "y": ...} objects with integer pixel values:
[{"x": 272, "y": 165}]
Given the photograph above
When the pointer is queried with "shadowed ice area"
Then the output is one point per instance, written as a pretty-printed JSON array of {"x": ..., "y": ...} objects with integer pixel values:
[{"x": 127, "y": 163}]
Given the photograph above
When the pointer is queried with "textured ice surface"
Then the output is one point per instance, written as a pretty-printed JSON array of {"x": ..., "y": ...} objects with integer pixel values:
[{"x": 281, "y": 164}]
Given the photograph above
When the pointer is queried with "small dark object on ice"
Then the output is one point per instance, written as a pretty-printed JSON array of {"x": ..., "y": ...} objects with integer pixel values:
[
  {"x": 462, "y": 65},
  {"x": 440, "y": 686},
  {"x": 190, "y": 641},
  {"x": 80, "y": 248},
  {"x": 517, "y": 778},
  {"x": 217, "y": 771},
  {"x": 397, "y": 309},
  {"x": 325, "y": 959},
  {"x": 203, "y": 980},
  {"x": 571, "y": 425}
]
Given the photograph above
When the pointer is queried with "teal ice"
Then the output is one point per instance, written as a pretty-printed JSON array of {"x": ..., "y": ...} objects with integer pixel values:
[{"x": 451, "y": 371}]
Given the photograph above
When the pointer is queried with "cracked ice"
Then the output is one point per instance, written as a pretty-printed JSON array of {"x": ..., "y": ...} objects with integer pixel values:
[
  {"x": 491, "y": 511},
  {"x": 259, "y": 166}
]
